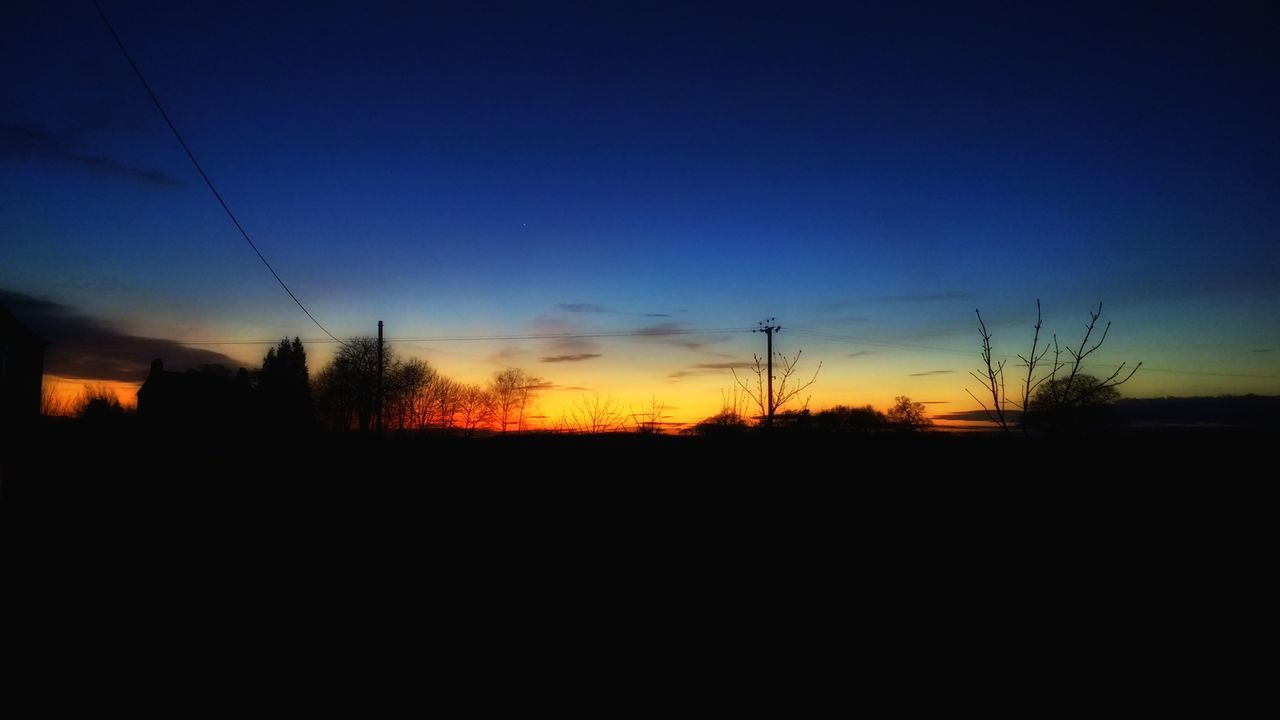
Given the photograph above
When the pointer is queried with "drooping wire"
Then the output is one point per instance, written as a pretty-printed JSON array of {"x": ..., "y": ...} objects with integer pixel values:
[
  {"x": 444, "y": 338},
  {"x": 190, "y": 155}
]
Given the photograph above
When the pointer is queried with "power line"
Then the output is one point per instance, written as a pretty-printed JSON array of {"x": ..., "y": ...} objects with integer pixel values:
[
  {"x": 456, "y": 338},
  {"x": 199, "y": 169},
  {"x": 861, "y": 341},
  {"x": 1171, "y": 371}
]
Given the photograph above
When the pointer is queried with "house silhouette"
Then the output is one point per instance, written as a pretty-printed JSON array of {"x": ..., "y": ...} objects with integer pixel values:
[
  {"x": 203, "y": 399},
  {"x": 21, "y": 372}
]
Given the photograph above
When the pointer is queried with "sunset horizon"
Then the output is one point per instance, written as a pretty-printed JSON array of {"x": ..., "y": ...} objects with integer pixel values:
[{"x": 611, "y": 199}]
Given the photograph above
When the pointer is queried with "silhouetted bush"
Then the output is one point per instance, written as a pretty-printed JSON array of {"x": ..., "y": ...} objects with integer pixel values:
[
  {"x": 99, "y": 407},
  {"x": 724, "y": 422},
  {"x": 843, "y": 418},
  {"x": 907, "y": 415}
]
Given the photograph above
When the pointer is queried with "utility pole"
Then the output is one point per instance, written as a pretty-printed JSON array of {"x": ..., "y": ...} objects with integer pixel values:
[
  {"x": 378, "y": 398},
  {"x": 768, "y": 328}
]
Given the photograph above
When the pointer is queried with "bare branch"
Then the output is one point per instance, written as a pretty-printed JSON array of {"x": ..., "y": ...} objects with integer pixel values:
[{"x": 994, "y": 380}]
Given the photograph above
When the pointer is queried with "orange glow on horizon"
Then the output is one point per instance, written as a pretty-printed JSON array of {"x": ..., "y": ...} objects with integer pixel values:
[{"x": 63, "y": 396}]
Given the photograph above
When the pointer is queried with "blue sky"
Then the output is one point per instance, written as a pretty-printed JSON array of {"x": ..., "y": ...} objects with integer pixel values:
[{"x": 869, "y": 172}]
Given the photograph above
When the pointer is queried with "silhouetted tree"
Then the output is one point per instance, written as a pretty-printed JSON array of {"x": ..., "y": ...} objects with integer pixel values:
[
  {"x": 284, "y": 386},
  {"x": 724, "y": 422},
  {"x": 907, "y": 415},
  {"x": 1086, "y": 390},
  {"x": 53, "y": 402},
  {"x": 1062, "y": 403},
  {"x": 842, "y": 418},
  {"x": 593, "y": 415},
  {"x": 512, "y": 392},
  {"x": 1063, "y": 388},
  {"x": 475, "y": 408},
  {"x": 346, "y": 388},
  {"x": 649, "y": 419},
  {"x": 785, "y": 387},
  {"x": 408, "y": 393},
  {"x": 447, "y": 401}
]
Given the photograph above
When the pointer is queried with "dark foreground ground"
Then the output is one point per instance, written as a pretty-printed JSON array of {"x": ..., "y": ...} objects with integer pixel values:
[
  {"x": 754, "y": 482},
  {"x": 922, "y": 568}
]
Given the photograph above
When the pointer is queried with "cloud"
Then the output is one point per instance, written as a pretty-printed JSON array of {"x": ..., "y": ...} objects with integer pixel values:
[
  {"x": 677, "y": 334},
  {"x": 935, "y": 402},
  {"x": 930, "y": 372},
  {"x": 925, "y": 297},
  {"x": 680, "y": 374},
  {"x": 85, "y": 347},
  {"x": 1264, "y": 350},
  {"x": 731, "y": 365},
  {"x": 577, "y": 388},
  {"x": 593, "y": 308},
  {"x": 576, "y": 357},
  {"x": 661, "y": 329},
  {"x": 583, "y": 308},
  {"x": 21, "y": 141},
  {"x": 860, "y": 353},
  {"x": 977, "y": 416}
]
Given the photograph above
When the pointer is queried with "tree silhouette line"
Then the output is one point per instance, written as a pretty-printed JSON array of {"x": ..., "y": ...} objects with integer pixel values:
[
  {"x": 367, "y": 377},
  {"x": 415, "y": 396}
]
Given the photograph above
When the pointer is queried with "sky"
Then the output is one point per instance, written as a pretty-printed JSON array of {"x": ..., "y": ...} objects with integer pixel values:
[{"x": 867, "y": 174}]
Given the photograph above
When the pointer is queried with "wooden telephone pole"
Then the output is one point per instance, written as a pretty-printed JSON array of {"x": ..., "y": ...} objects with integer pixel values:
[{"x": 768, "y": 328}]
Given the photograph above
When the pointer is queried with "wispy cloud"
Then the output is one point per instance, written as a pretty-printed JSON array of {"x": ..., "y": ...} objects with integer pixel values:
[
  {"x": 85, "y": 347},
  {"x": 1264, "y": 350},
  {"x": 860, "y": 353},
  {"x": 576, "y": 357},
  {"x": 660, "y": 329},
  {"x": 583, "y": 308},
  {"x": 731, "y": 365},
  {"x": 597, "y": 309},
  {"x": 977, "y": 416},
  {"x": 25, "y": 141},
  {"x": 930, "y": 372}
]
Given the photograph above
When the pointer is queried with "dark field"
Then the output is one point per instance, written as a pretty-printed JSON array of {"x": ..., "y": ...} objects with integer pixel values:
[{"x": 787, "y": 557}]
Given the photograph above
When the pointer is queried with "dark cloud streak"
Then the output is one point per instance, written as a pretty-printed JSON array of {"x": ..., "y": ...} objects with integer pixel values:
[
  {"x": 576, "y": 357},
  {"x": 583, "y": 308},
  {"x": 20, "y": 141},
  {"x": 88, "y": 348}
]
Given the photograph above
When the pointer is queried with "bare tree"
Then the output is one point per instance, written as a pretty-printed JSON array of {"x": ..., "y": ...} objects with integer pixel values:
[
  {"x": 407, "y": 393},
  {"x": 447, "y": 402},
  {"x": 783, "y": 392},
  {"x": 513, "y": 392},
  {"x": 649, "y": 419},
  {"x": 52, "y": 402},
  {"x": 1045, "y": 392},
  {"x": 345, "y": 389},
  {"x": 992, "y": 380},
  {"x": 475, "y": 408},
  {"x": 594, "y": 415}
]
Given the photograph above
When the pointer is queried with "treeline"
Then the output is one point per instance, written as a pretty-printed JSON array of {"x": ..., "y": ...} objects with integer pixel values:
[
  {"x": 904, "y": 415},
  {"x": 415, "y": 396}
]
